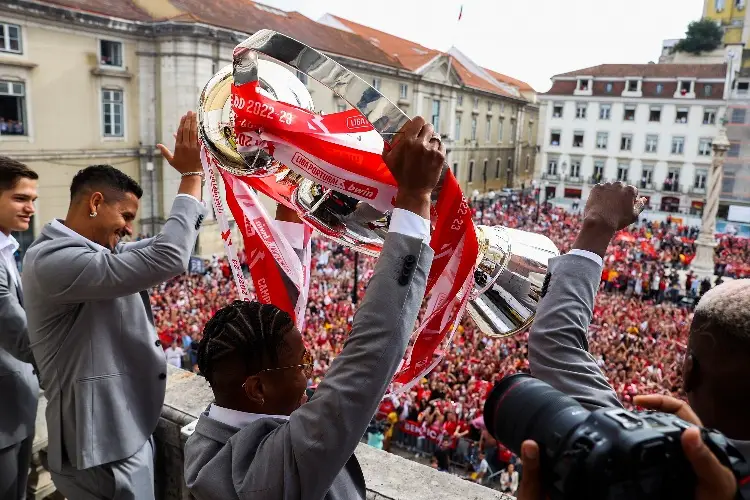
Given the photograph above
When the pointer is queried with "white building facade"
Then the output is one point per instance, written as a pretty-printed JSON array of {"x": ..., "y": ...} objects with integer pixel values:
[{"x": 646, "y": 125}]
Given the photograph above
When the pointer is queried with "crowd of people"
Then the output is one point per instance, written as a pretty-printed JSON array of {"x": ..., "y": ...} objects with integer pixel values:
[{"x": 641, "y": 320}]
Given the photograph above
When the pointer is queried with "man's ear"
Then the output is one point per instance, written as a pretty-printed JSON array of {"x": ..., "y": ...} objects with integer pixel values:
[
  {"x": 692, "y": 375},
  {"x": 95, "y": 200},
  {"x": 253, "y": 387}
]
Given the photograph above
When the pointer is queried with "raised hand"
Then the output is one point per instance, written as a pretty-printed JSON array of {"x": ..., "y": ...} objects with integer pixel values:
[{"x": 187, "y": 153}]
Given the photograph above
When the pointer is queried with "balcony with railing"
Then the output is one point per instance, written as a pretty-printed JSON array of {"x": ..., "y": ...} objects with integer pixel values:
[
  {"x": 550, "y": 177},
  {"x": 671, "y": 187},
  {"x": 645, "y": 186},
  {"x": 596, "y": 179},
  {"x": 577, "y": 179},
  {"x": 698, "y": 190}
]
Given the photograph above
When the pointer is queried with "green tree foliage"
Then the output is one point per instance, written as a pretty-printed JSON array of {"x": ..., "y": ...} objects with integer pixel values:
[{"x": 701, "y": 36}]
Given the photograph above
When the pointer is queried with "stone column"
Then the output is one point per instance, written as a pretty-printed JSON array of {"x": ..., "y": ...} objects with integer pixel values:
[{"x": 703, "y": 264}]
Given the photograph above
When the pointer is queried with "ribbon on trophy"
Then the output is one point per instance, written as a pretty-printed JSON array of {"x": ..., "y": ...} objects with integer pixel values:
[
  {"x": 331, "y": 151},
  {"x": 281, "y": 276}
]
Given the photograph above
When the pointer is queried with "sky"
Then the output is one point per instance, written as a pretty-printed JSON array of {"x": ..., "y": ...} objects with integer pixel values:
[{"x": 531, "y": 40}]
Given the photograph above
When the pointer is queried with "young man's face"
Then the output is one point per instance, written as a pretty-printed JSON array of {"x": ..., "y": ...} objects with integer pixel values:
[{"x": 17, "y": 205}]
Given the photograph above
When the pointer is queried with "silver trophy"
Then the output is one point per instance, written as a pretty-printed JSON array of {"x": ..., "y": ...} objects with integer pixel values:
[{"x": 511, "y": 265}]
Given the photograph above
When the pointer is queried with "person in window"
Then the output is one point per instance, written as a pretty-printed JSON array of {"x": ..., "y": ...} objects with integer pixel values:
[{"x": 261, "y": 438}]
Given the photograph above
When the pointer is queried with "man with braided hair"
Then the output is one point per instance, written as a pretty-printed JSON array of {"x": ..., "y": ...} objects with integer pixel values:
[{"x": 258, "y": 440}]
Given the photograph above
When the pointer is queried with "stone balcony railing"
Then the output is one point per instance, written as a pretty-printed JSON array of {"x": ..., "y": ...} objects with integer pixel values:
[{"x": 388, "y": 476}]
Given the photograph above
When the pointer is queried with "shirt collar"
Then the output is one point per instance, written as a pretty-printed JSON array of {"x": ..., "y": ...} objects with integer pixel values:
[
  {"x": 238, "y": 419},
  {"x": 8, "y": 242},
  {"x": 58, "y": 225}
]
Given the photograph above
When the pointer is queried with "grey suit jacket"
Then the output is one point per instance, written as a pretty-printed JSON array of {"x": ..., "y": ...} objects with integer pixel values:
[
  {"x": 558, "y": 344},
  {"x": 92, "y": 334},
  {"x": 310, "y": 456},
  {"x": 19, "y": 386}
]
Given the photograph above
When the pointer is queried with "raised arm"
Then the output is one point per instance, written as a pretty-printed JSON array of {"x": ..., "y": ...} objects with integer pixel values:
[
  {"x": 14, "y": 337},
  {"x": 558, "y": 345},
  {"x": 71, "y": 271}
]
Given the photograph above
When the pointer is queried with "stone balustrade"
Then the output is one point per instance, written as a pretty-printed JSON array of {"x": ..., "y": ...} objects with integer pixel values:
[{"x": 388, "y": 476}]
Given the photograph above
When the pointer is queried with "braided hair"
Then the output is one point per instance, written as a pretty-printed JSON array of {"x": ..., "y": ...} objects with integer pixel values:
[{"x": 250, "y": 331}]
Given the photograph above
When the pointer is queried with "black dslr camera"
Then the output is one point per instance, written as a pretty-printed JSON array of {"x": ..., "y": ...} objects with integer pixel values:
[{"x": 608, "y": 454}]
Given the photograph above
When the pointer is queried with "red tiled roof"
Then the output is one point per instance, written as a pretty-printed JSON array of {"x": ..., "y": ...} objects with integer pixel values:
[
  {"x": 651, "y": 71},
  {"x": 124, "y": 9},
  {"x": 412, "y": 55},
  {"x": 248, "y": 17},
  {"x": 523, "y": 86}
]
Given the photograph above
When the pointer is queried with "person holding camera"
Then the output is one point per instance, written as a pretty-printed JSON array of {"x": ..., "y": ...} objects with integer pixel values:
[{"x": 558, "y": 346}]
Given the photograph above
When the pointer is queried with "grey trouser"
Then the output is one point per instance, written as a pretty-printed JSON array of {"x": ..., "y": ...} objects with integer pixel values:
[
  {"x": 14, "y": 469},
  {"x": 128, "y": 479}
]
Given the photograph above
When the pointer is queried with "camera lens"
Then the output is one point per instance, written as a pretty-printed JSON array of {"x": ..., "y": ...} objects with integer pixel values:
[{"x": 521, "y": 407}]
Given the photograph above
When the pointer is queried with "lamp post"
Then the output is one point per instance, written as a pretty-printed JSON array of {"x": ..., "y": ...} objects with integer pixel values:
[{"x": 703, "y": 263}]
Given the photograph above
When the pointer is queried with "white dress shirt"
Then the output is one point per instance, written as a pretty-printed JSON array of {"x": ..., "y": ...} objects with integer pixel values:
[
  {"x": 8, "y": 247},
  {"x": 589, "y": 255}
]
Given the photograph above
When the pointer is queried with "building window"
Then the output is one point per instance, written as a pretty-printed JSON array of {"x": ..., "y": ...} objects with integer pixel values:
[
  {"x": 10, "y": 38},
  {"x": 376, "y": 82},
  {"x": 647, "y": 174},
  {"x": 685, "y": 87},
  {"x": 500, "y": 130},
  {"x": 455, "y": 170},
  {"x": 436, "y": 115},
  {"x": 112, "y": 109},
  {"x": 12, "y": 108},
  {"x": 531, "y": 133},
  {"x": 701, "y": 176},
  {"x": 301, "y": 77},
  {"x": 678, "y": 145},
  {"x": 738, "y": 115},
  {"x": 734, "y": 150},
  {"x": 581, "y": 110},
  {"x": 682, "y": 115},
  {"x": 460, "y": 100},
  {"x": 655, "y": 114},
  {"x": 575, "y": 168},
  {"x": 608, "y": 87},
  {"x": 652, "y": 143},
  {"x": 719, "y": 5},
  {"x": 473, "y": 128},
  {"x": 632, "y": 85},
  {"x": 672, "y": 182},
  {"x": 528, "y": 160},
  {"x": 403, "y": 91},
  {"x": 471, "y": 171},
  {"x": 704, "y": 147},
  {"x": 488, "y": 131},
  {"x": 626, "y": 142},
  {"x": 598, "y": 171},
  {"x": 740, "y": 4},
  {"x": 484, "y": 170},
  {"x": 489, "y": 106},
  {"x": 502, "y": 108},
  {"x": 578, "y": 139},
  {"x": 709, "y": 116},
  {"x": 554, "y": 138},
  {"x": 629, "y": 114},
  {"x": 708, "y": 89},
  {"x": 622, "y": 173},
  {"x": 557, "y": 110},
  {"x": 605, "y": 111},
  {"x": 584, "y": 84},
  {"x": 743, "y": 88},
  {"x": 457, "y": 130},
  {"x": 497, "y": 168},
  {"x": 476, "y": 103},
  {"x": 110, "y": 53},
  {"x": 552, "y": 166},
  {"x": 340, "y": 108},
  {"x": 602, "y": 140},
  {"x": 659, "y": 88},
  {"x": 512, "y": 130}
]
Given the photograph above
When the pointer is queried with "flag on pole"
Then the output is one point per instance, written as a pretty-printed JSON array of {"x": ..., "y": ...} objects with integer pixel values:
[{"x": 460, "y": 12}]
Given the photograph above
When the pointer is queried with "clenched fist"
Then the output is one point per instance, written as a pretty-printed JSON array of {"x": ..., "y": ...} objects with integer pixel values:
[
  {"x": 416, "y": 161},
  {"x": 613, "y": 204}
]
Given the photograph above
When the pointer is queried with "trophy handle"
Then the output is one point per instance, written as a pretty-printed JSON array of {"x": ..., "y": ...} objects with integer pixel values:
[{"x": 385, "y": 117}]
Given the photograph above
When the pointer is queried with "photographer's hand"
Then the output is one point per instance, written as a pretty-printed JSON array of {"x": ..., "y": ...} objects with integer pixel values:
[
  {"x": 715, "y": 482},
  {"x": 531, "y": 479},
  {"x": 668, "y": 404}
]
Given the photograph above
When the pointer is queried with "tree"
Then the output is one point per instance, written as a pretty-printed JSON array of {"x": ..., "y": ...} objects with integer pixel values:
[{"x": 701, "y": 36}]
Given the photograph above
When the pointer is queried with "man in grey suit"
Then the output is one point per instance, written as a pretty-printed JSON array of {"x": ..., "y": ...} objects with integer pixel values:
[
  {"x": 19, "y": 386},
  {"x": 91, "y": 326},
  {"x": 558, "y": 344},
  {"x": 260, "y": 440}
]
